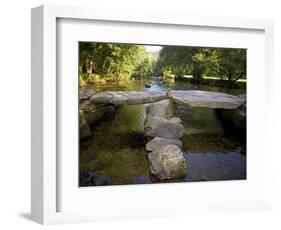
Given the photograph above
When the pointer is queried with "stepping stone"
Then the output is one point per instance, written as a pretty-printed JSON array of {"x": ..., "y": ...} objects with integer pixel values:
[
  {"x": 159, "y": 141},
  {"x": 206, "y": 99},
  {"x": 167, "y": 162},
  {"x": 159, "y": 121}
]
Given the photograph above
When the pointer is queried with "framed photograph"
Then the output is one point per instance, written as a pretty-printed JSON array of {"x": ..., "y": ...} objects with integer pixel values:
[{"x": 141, "y": 114}]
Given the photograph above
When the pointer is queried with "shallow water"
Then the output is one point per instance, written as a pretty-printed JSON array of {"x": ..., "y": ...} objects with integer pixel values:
[{"x": 115, "y": 152}]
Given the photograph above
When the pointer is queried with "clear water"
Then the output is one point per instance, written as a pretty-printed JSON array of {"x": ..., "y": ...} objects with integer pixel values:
[{"x": 115, "y": 154}]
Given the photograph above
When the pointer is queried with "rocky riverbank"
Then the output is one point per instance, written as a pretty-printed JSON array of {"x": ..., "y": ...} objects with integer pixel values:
[{"x": 91, "y": 113}]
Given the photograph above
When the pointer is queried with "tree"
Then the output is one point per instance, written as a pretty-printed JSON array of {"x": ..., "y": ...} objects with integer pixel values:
[
  {"x": 113, "y": 61},
  {"x": 144, "y": 68},
  {"x": 203, "y": 61},
  {"x": 232, "y": 64},
  {"x": 186, "y": 60},
  {"x": 86, "y": 55}
]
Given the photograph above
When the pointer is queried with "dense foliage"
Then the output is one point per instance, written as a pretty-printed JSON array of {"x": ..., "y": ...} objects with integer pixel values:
[
  {"x": 178, "y": 61},
  {"x": 104, "y": 61},
  {"x": 113, "y": 61}
]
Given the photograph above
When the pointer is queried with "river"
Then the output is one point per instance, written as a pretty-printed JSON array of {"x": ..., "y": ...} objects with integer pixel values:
[{"x": 115, "y": 155}]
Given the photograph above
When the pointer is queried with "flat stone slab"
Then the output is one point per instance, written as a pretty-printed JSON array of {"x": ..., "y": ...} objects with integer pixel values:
[
  {"x": 86, "y": 93},
  {"x": 205, "y": 99},
  {"x": 128, "y": 97}
]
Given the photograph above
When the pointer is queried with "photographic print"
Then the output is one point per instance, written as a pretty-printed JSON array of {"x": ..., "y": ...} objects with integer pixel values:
[{"x": 161, "y": 113}]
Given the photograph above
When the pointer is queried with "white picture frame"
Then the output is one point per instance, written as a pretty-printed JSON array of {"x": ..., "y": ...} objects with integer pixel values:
[{"x": 46, "y": 163}]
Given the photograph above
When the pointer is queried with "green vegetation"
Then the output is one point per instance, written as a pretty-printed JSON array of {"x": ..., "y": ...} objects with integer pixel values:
[
  {"x": 225, "y": 64},
  {"x": 104, "y": 61},
  {"x": 114, "y": 151},
  {"x": 116, "y": 62}
]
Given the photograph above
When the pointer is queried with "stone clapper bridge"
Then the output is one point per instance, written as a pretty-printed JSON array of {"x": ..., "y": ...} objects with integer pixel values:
[{"x": 166, "y": 159}]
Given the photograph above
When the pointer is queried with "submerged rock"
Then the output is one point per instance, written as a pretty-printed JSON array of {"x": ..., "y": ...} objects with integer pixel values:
[
  {"x": 206, "y": 99},
  {"x": 83, "y": 126},
  {"x": 157, "y": 142},
  {"x": 91, "y": 179},
  {"x": 86, "y": 178},
  {"x": 103, "y": 180},
  {"x": 128, "y": 97},
  {"x": 167, "y": 162},
  {"x": 142, "y": 180},
  {"x": 160, "y": 122}
]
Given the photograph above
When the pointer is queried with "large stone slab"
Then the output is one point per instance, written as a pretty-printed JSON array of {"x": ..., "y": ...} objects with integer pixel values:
[
  {"x": 206, "y": 99},
  {"x": 128, "y": 97}
]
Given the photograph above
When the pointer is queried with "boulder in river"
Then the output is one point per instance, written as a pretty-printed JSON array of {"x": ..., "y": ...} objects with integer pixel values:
[
  {"x": 167, "y": 162},
  {"x": 159, "y": 141},
  {"x": 161, "y": 127},
  {"x": 94, "y": 113},
  {"x": 206, "y": 99},
  {"x": 164, "y": 109},
  {"x": 160, "y": 122},
  {"x": 86, "y": 178}
]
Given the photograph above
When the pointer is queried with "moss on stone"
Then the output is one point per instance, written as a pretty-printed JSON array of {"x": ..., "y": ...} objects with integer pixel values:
[{"x": 180, "y": 170}]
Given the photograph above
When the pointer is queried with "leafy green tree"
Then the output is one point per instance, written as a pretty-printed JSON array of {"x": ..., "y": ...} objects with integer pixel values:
[
  {"x": 113, "y": 61},
  {"x": 145, "y": 68},
  {"x": 86, "y": 55},
  {"x": 186, "y": 61},
  {"x": 231, "y": 64},
  {"x": 203, "y": 61}
]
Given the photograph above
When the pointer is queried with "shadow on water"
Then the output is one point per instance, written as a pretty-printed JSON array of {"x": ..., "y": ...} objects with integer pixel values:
[{"x": 115, "y": 153}]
